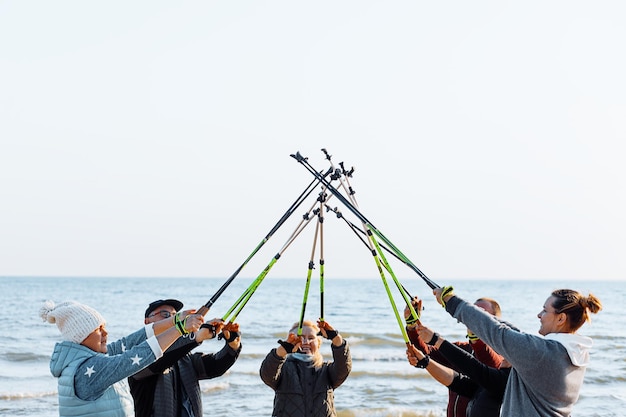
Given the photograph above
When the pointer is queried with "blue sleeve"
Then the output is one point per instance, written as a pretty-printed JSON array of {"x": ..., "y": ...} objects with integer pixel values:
[
  {"x": 126, "y": 342},
  {"x": 173, "y": 354},
  {"x": 101, "y": 371}
]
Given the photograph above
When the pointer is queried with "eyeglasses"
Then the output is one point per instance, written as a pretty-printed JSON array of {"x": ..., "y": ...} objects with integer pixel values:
[{"x": 163, "y": 313}]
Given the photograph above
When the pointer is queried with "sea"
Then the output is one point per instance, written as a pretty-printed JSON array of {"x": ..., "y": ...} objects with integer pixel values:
[{"x": 381, "y": 384}]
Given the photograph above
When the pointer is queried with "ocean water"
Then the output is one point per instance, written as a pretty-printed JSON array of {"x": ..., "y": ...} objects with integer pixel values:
[{"x": 382, "y": 383}]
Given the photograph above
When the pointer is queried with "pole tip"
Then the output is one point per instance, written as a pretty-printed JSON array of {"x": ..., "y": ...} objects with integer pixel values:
[{"x": 298, "y": 157}]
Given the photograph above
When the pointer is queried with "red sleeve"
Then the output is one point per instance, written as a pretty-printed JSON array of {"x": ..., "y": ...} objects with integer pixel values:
[
  {"x": 486, "y": 354},
  {"x": 417, "y": 341}
]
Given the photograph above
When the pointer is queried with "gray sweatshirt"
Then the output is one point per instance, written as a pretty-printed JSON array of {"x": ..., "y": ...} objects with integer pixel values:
[{"x": 544, "y": 380}]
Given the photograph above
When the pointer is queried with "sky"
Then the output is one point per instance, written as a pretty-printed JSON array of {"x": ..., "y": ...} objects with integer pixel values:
[{"x": 153, "y": 138}]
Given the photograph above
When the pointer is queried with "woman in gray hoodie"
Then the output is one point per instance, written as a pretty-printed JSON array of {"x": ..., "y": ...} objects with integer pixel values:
[{"x": 548, "y": 370}]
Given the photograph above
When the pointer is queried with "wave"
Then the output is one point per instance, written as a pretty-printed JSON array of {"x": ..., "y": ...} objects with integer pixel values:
[
  {"x": 252, "y": 372},
  {"x": 260, "y": 355},
  {"x": 24, "y": 357},
  {"x": 386, "y": 339},
  {"x": 387, "y": 412},
  {"x": 605, "y": 379},
  {"x": 378, "y": 357},
  {"x": 207, "y": 389},
  {"x": 384, "y": 373},
  {"x": 25, "y": 395}
]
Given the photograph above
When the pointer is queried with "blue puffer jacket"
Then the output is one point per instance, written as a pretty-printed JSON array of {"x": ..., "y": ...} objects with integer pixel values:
[
  {"x": 67, "y": 359},
  {"x": 94, "y": 384}
]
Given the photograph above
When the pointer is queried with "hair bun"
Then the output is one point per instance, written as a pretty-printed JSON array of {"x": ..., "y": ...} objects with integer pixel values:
[
  {"x": 593, "y": 303},
  {"x": 44, "y": 311}
]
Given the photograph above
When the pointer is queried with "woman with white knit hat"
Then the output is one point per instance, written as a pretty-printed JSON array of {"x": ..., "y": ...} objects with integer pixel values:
[{"x": 92, "y": 374}]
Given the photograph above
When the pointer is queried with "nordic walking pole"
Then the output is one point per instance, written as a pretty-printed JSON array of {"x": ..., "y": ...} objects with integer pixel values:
[
  {"x": 298, "y": 157},
  {"x": 321, "y": 218},
  {"x": 307, "y": 191},
  {"x": 380, "y": 267},
  {"x": 245, "y": 297},
  {"x": 356, "y": 229},
  {"x": 308, "y": 278},
  {"x": 379, "y": 263},
  {"x": 379, "y": 257},
  {"x": 344, "y": 182}
]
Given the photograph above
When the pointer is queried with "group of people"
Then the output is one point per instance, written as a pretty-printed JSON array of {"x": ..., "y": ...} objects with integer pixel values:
[
  {"x": 502, "y": 371},
  {"x": 153, "y": 371}
]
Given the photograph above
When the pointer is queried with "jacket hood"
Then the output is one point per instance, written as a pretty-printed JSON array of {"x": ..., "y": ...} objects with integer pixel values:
[
  {"x": 577, "y": 346},
  {"x": 66, "y": 352}
]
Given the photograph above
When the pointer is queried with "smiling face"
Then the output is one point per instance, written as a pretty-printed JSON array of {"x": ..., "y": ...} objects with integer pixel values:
[
  {"x": 97, "y": 340},
  {"x": 310, "y": 341},
  {"x": 551, "y": 321}
]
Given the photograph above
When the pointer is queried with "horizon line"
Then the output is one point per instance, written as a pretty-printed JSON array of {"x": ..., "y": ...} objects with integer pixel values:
[{"x": 284, "y": 277}]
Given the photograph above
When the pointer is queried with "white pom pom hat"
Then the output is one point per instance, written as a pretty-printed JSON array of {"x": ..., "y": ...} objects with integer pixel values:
[{"x": 76, "y": 321}]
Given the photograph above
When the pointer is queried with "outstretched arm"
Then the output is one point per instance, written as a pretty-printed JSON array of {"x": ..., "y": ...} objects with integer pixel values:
[
  {"x": 178, "y": 350},
  {"x": 442, "y": 374},
  {"x": 421, "y": 342},
  {"x": 216, "y": 364},
  {"x": 492, "y": 379}
]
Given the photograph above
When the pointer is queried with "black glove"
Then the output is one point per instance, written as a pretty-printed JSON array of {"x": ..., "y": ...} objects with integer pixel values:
[
  {"x": 212, "y": 328},
  {"x": 233, "y": 336},
  {"x": 286, "y": 345},
  {"x": 330, "y": 334},
  {"x": 423, "y": 363},
  {"x": 433, "y": 340}
]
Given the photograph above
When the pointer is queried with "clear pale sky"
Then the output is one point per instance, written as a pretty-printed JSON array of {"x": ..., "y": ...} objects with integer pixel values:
[{"x": 152, "y": 138}]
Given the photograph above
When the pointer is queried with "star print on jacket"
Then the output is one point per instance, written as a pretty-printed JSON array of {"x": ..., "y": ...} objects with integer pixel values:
[
  {"x": 102, "y": 370},
  {"x": 90, "y": 371}
]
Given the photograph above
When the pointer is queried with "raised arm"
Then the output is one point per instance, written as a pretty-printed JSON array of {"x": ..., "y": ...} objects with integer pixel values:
[{"x": 442, "y": 374}]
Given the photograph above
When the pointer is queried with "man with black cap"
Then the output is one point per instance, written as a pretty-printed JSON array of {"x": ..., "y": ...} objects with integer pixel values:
[{"x": 169, "y": 387}]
